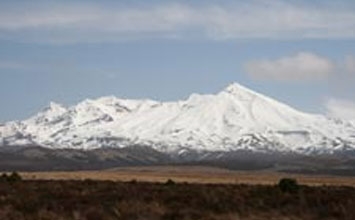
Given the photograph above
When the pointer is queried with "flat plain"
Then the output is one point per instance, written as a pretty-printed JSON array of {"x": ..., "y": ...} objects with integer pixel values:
[{"x": 191, "y": 174}]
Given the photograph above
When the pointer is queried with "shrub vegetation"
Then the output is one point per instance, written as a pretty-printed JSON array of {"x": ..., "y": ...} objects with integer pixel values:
[
  {"x": 288, "y": 185},
  {"x": 86, "y": 200},
  {"x": 12, "y": 178}
]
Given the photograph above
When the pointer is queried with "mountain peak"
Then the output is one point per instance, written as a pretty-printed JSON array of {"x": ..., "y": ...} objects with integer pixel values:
[
  {"x": 56, "y": 107},
  {"x": 237, "y": 88},
  {"x": 52, "y": 111},
  {"x": 240, "y": 91}
]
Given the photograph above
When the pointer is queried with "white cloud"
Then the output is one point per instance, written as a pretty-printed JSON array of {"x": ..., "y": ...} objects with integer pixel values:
[
  {"x": 300, "y": 67},
  {"x": 249, "y": 19},
  {"x": 343, "y": 109}
]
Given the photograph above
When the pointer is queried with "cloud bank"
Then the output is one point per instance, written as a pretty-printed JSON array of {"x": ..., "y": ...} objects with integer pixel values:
[
  {"x": 86, "y": 22},
  {"x": 343, "y": 109},
  {"x": 299, "y": 67}
]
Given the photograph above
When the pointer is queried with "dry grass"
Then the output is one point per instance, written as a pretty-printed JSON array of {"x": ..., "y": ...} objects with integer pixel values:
[{"x": 190, "y": 174}]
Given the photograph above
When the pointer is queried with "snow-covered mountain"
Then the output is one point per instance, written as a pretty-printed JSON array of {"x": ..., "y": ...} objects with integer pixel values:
[{"x": 236, "y": 118}]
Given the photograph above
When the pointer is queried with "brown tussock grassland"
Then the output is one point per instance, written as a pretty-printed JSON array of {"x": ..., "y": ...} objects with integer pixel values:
[{"x": 190, "y": 174}]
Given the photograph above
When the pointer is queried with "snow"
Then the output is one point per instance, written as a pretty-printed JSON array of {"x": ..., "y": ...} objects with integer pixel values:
[{"x": 235, "y": 118}]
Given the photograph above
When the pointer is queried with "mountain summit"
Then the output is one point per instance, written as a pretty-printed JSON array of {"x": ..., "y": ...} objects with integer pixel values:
[{"x": 237, "y": 118}]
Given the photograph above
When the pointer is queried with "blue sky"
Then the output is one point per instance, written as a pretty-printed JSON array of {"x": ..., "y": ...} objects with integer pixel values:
[{"x": 64, "y": 51}]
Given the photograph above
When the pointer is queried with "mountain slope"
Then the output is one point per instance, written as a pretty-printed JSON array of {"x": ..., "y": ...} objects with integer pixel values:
[{"x": 236, "y": 118}]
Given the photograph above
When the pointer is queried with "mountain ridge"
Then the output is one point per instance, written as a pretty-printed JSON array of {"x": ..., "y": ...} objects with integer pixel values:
[{"x": 236, "y": 118}]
